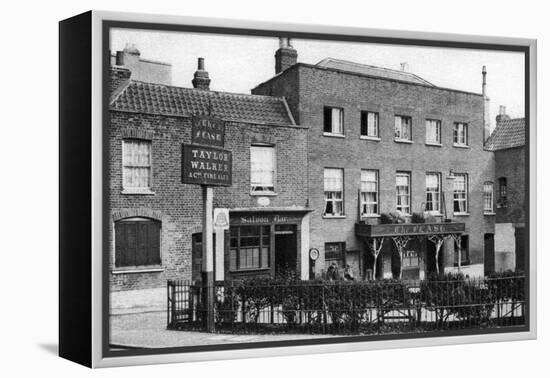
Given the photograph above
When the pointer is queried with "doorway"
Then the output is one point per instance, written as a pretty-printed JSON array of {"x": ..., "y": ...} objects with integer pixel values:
[
  {"x": 489, "y": 252},
  {"x": 285, "y": 249}
]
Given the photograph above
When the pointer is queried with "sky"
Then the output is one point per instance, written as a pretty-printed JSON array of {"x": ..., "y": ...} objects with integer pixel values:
[{"x": 239, "y": 63}]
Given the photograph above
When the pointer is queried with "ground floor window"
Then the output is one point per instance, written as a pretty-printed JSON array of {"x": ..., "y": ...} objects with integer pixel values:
[
  {"x": 335, "y": 253},
  {"x": 462, "y": 253},
  {"x": 249, "y": 247},
  {"x": 137, "y": 242}
]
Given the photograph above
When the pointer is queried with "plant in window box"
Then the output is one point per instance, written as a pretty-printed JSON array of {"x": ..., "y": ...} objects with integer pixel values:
[
  {"x": 391, "y": 218},
  {"x": 418, "y": 218}
]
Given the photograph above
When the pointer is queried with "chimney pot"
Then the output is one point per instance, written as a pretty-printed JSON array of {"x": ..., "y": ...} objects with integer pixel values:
[
  {"x": 502, "y": 110},
  {"x": 201, "y": 80},
  {"x": 200, "y": 64}
]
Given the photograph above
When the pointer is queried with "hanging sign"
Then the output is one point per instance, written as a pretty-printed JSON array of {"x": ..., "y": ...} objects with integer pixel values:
[
  {"x": 206, "y": 165},
  {"x": 208, "y": 131}
]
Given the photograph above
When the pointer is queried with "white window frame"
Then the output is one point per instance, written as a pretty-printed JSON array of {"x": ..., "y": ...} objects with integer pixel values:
[
  {"x": 398, "y": 128},
  {"x": 408, "y": 195},
  {"x": 263, "y": 189},
  {"x": 430, "y": 123},
  {"x": 463, "y": 196},
  {"x": 126, "y": 166},
  {"x": 329, "y": 193},
  {"x": 376, "y": 120},
  {"x": 363, "y": 201},
  {"x": 436, "y": 210},
  {"x": 337, "y": 132},
  {"x": 460, "y": 134},
  {"x": 488, "y": 197}
]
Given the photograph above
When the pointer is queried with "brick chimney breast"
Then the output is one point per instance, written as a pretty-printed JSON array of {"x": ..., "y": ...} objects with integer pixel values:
[
  {"x": 286, "y": 56},
  {"x": 201, "y": 80},
  {"x": 502, "y": 116}
]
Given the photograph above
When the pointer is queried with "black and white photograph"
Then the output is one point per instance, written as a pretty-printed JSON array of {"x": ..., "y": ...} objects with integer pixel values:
[{"x": 281, "y": 189}]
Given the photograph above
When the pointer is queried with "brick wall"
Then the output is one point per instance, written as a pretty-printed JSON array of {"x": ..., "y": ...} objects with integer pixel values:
[
  {"x": 317, "y": 88},
  {"x": 179, "y": 206},
  {"x": 118, "y": 76},
  {"x": 510, "y": 163}
]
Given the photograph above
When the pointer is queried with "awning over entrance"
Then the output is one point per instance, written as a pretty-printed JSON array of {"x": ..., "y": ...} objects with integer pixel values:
[{"x": 407, "y": 229}]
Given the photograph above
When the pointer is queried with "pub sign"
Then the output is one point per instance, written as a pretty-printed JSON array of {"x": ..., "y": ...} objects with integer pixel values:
[
  {"x": 206, "y": 165},
  {"x": 208, "y": 131}
]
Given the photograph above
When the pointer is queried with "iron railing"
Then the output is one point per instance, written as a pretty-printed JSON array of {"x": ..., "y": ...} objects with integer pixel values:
[{"x": 357, "y": 307}]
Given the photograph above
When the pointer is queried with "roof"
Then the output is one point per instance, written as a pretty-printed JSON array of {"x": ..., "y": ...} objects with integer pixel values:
[
  {"x": 150, "y": 98},
  {"x": 508, "y": 133},
  {"x": 368, "y": 70}
]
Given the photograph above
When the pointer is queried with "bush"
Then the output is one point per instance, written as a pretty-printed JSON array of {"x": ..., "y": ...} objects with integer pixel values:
[
  {"x": 256, "y": 296},
  {"x": 227, "y": 305},
  {"x": 391, "y": 218},
  {"x": 508, "y": 285},
  {"x": 418, "y": 218}
]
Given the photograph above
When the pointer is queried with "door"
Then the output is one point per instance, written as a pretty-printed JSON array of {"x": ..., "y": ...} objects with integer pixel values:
[
  {"x": 489, "y": 252},
  {"x": 285, "y": 249}
]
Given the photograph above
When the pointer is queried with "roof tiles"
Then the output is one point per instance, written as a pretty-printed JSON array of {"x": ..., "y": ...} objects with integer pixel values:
[{"x": 508, "y": 133}]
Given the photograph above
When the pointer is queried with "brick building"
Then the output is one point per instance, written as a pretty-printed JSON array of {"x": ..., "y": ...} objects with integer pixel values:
[
  {"x": 508, "y": 143},
  {"x": 148, "y": 70},
  {"x": 156, "y": 219},
  {"x": 386, "y": 141}
]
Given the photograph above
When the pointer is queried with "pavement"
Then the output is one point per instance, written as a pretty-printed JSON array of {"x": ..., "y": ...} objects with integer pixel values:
[{"x": 148, "y": 330}]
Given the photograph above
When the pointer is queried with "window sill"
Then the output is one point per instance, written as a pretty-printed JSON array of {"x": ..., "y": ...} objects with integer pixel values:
[
  {"x": 145, "y": 192},
  {"x": 334, "y": 216},
  {"x": 461, "y": 214},
  {"x": 154, "y": 269},
  {"x": 370, "y": 215},
  {"x": 434, "y": 144},
  {"x": 365, "y": 137},
  {"x": 433, "y": 213},
  {"x": 489, "y": 213},
  {"x": 406, "y": 141},
  {"x": 263, "y": 194},
  {"x": 460, "y": 145},
  {"x": 334, "y": 135}
]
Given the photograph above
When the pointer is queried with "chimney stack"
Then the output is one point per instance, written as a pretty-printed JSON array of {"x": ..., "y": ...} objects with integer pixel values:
[
  {"x": 486, "y": 105},
  {"x": 286, "y": 56},
  {"x": 502, "y": 116},
  {"x": 201, "y": 79}
]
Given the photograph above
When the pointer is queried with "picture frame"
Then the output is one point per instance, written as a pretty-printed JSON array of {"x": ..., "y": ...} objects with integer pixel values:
[{"x": 111, "y": 177}]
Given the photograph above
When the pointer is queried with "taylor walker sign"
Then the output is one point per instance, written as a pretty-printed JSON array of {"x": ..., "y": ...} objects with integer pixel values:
[
  {"x": 206, "y": 165},
  {"x": 208, "y": 131}
]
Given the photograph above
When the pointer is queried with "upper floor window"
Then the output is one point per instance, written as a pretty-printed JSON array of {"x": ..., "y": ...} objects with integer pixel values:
[
  {"x": 460, "y": 193},
  {"x": 433, "y": 131},
  {"x": 433, "y": 192},
  {"x": 460, "y": 134},
  {"x": 403, "y": 192},
  {"x": 262, "y": 169},
  {"x": 137, "y": 242},
  {"x": 502, "y": 191},
  {"x": 488, "y": 197},
  {"x": 136, "y": 165},
  {"x": 334, "y": 192},
  {"x": 333, "y": 121},
  {"x": 403, "y": 128},
  {"x": 369, "y": 124},
  {"x": 369, "y": 192}
]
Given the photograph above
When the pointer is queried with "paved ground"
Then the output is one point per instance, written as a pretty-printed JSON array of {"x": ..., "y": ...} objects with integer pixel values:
[{"x": 148, "y": 330}]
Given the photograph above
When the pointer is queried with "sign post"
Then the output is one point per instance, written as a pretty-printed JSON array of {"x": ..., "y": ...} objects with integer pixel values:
[
  {"x": 206, "y": 163},
  {"x": 221, "y": 223}
]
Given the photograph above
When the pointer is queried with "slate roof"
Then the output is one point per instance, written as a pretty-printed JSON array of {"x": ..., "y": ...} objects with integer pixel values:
[
  {"x": 150, "y": 98},
  {"x": 507, "y": 134},
  {"x": 364, "y": 69}
]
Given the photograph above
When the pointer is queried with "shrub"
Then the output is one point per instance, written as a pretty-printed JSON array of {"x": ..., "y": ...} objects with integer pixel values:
[
  {"x": 256, "y": 296},
  {"x": 227, "y": 305},
  {"x": 418, "y": 218},
  {"x": 391, "y": 218}
]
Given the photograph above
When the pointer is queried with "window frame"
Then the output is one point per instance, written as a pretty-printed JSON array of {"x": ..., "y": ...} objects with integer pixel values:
[
  {"x": 136, "y": 190},
  {"x": 332, "y": 133},
  {"x": 261, "y": 235},
  {"x": 274, "y": 170},
  {"x": 342, "y": 199},
  {"x": 377, "y": 202},
  {"x": 156, "y": 267},
  {"x": 438, "y": 192},
  {"x": 466, "y": 194},
  {"x": 486, "y": 193},
  {"x": 365, "y": 113},
  {"x": 502, "y": 191},
  {"x": 400, "y": 139},
  {"x": 456, "y": 134},
  {"x": 438, "y": 128},
  {"x": 409, "y": 191}
]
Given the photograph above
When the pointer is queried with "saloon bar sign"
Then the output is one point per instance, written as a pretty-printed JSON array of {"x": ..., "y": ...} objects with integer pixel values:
[
  {"x": 205, "y": 162},
  {"x": 380, "y": 230}
]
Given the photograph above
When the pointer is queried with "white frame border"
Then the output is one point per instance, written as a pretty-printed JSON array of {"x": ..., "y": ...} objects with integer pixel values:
[{"x": 97, "y": 184}]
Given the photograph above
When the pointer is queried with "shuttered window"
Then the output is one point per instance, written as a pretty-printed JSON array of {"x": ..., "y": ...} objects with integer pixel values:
[{"x": 137, "y": 243}]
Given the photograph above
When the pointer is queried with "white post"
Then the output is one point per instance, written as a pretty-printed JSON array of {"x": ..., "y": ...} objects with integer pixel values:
[
  {"x": 220, "y": 244},
  {"x": 208, "y": 256}
]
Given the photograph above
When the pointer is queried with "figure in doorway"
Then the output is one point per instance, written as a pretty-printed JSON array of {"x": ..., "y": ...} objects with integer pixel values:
[{"x": 332, "y": 272}]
